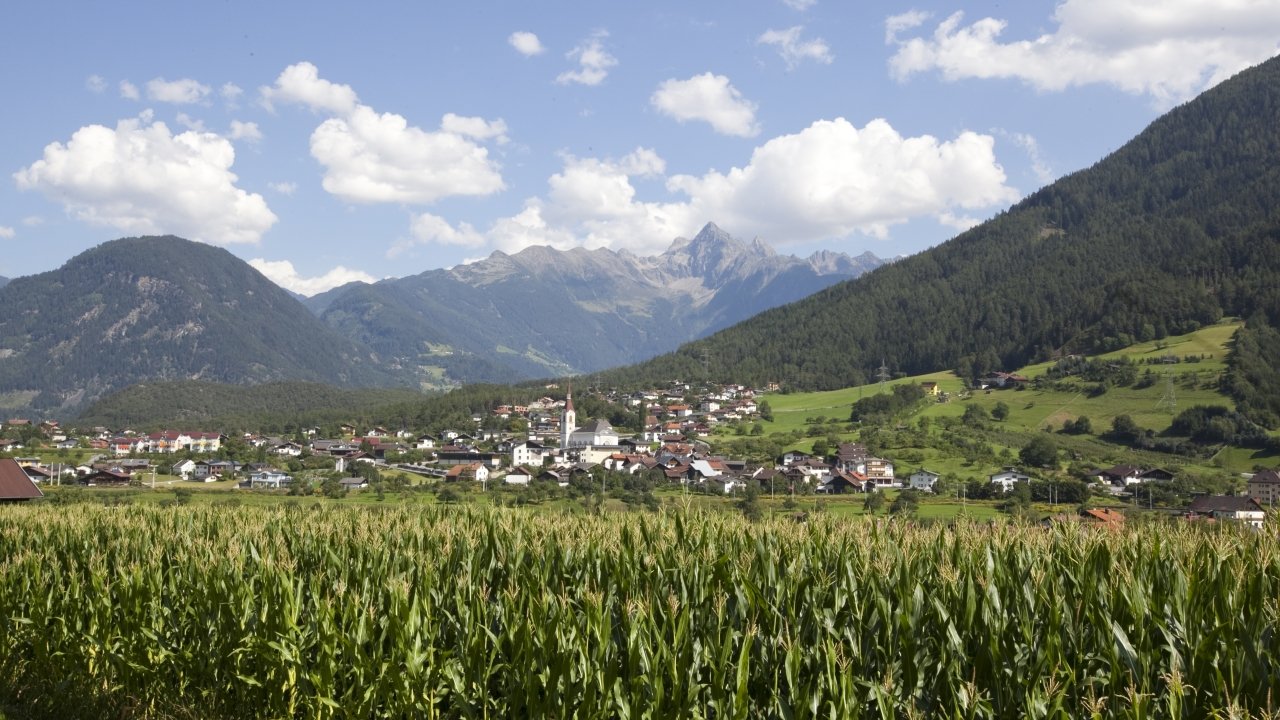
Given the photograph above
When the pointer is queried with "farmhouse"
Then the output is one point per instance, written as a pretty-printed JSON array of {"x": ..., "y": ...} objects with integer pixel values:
[
  {"x": 1235, "y": 508},
  {"x": 15, "y": 485}
]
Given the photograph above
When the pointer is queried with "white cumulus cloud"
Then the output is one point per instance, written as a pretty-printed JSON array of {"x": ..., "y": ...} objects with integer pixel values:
[
  {"x": 129, "y": 91},
  {"x": 593, "y": 61},
  {"x": 800, "y": 4},
  {"x": 140, "y": 178},
  {"x": 95, "y": 84},
  {"x": 1168, "y": 50},
  {"x": 301, "y": 83},
  {"x": 833, "y": 179},
  {"x": 709, "y": 98},
  {"x": 526, "y": 43},
  {"x": 283, "y": 273},
  {"x": 245, "y": 131},
  {"x": 428, "y": 229},
  {"x": 795, "y": 50},
  {"x": 284, "y": 188},
  {"x": 6, "y": 232},
  {"x": 372, "y": 157},
  {"x": 180, "y": 92},
  {"x": 475, "y": 127}
]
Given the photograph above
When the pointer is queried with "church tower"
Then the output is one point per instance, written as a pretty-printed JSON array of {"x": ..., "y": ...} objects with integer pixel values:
[{"x": 568, "y": 420}]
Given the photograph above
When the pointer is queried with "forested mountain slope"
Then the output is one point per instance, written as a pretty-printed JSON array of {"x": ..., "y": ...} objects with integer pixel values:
[
  {"x": 160, "y": 308},
  {"x": 1175, "y": 229}
]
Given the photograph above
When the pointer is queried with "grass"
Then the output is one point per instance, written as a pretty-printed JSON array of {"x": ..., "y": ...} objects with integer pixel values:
[{"x": 1031, "y": 410}]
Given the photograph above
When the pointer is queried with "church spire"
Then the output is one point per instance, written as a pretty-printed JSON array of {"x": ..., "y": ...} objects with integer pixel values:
[{"x": 568, "y": 420}]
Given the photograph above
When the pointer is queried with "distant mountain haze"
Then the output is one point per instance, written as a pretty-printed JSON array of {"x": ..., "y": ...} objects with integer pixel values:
[{"x": 544, "y": 312}]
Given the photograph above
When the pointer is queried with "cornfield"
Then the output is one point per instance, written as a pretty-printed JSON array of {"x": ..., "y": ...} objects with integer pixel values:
[{"x": 422, "y": 612}]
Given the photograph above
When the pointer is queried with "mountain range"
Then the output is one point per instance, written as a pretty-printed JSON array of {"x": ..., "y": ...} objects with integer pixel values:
[
  {"x": 165, "y": 309},
  {"x": 543, "y": 312}
]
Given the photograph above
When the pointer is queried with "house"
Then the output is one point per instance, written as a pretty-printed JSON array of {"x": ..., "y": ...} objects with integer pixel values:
[
  {"x": 851, "y": 457},
  {"x": 880, "y": 472},
  {"x": 1105, "y": 517},
  {"x": 287, "y": 449},
  {"x": 1236, "y": 508},
  {"x": 1002, "y": 380},
  {"x": 1007, "y": 477},
  {"x": 108, "y": 477},
  {"x": 840, "y": 482},
  {"x": 519, "y": 476},
  {"x": 792, "y": 457},
  {"x": 15, "y": 485},
  {"x": 353, "y": 483},
  {"x": 923, "y": 480},
  {"x": 930, "y": 389},
  {"x": 184, "y": 469},
  {"x": 473, "y": 471},
  {"x": 1120, "y": 475},
  {"x": 529, "y": 452},
  {"x": 1265, "y": 488},
  {"x": 269, "y": 480}
]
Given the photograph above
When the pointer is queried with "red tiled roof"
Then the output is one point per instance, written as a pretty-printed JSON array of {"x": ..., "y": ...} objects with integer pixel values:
[{"x": 14, "y": 483}]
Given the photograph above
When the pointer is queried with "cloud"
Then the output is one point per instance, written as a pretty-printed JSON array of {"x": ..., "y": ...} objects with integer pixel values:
[
  {"x": 231, "y": 93},
  {"x": 32, "y": 220},
  {"x": 245, "y": 131},
  {"x": 593, "y": 61},
  {"x": 526, "y": 43},
  {"x": 372, "y": 157},
  {"x": 833, "y": 179},
  {"x": 128, "y": 90},
  {"x": 1169, "y": 50},
  {"x": 140, "y": 178},
  {"x": 793, "y": 50},
  {"x": 895, "y": 25},
  {"x": 800, "y": 5},
  {"x": 191, "y": 123},
  {"x": 709, "y": 98},
  {"x": 95, "y": 84},
  {"x": 284, "y": 188},
  {"x": 1028, "y": 143},
  {"x": 476, "y": 128},
  {"x": 828, "y": 181},
  {"x": 428, "y": 229},
  {"x": 180, "y": 92},
  {"x": 6, "y": 232},
  {"x": 282, "y": 273},
  {"x": 301, "y": 83}
]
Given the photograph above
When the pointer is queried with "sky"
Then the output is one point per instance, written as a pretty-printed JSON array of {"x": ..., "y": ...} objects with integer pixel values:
[{"x": 328, "y": 142}]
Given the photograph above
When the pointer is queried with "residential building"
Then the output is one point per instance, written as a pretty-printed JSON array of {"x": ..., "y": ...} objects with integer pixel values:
[{"x": 1265, "y": 488}]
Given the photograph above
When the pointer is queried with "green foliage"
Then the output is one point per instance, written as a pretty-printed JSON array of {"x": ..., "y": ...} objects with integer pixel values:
[
  {"x": 907, "y": 503},
  {"x": 297, "y": 612},
  {"x": 874, "y": 502},
  {"x": 1253, "y": 378},
  {"x": 1040, "y": 451},
  {"x": 1000, "y": 411},
  {"x": 882, "y": 407}
]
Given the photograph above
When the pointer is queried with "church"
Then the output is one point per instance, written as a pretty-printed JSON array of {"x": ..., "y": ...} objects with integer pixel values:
[{"x": 597, "y": 437}]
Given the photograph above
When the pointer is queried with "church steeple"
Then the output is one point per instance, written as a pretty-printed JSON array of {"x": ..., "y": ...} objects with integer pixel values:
[{"x": 568, "y": 419}]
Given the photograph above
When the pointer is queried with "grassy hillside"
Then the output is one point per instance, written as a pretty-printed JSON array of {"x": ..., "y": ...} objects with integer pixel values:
[{"x": 923, "y": 437}]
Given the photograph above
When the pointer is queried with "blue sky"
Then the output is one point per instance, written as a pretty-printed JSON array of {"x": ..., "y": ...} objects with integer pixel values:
[{"x": 326, "y": 142}]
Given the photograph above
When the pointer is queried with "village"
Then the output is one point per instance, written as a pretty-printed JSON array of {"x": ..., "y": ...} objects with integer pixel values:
[{"x": 674, "y": 449}]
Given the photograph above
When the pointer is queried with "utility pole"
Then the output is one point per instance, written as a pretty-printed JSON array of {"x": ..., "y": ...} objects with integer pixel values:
[{"x": 883, "y": 373}]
